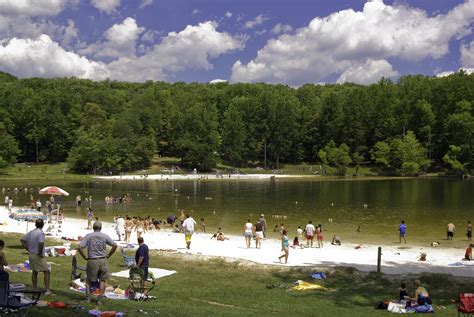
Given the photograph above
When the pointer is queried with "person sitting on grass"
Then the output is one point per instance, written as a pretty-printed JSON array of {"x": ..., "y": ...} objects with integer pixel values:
[
  {"x": 422, "y": 296},
  {"x": 402, "y": 291},
  {"x": 468, "y": 255}
]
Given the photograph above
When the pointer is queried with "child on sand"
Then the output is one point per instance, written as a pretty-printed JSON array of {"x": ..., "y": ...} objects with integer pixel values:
[
  {"x": 203, "y": 226},
  {"x": 468, "y": 254}
]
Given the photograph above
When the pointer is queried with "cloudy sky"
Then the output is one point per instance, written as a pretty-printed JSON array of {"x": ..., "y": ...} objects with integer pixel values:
[{"x": 275, "y": 41}]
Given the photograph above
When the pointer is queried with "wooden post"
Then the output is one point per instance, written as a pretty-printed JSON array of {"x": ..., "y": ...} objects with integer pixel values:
[{"x": 379, "y": 259}]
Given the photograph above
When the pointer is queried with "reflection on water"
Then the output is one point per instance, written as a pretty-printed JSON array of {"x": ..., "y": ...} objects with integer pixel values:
[{"x": 427, "y": 205}]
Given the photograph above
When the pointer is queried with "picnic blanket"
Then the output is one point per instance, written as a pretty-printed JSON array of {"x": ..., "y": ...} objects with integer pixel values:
[
  {"x": 110, "y": 295},
  {"x": 157, "y": 273}
]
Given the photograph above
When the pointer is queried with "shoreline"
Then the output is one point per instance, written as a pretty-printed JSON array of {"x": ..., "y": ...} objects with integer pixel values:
[{"x": 401, "y": 259}]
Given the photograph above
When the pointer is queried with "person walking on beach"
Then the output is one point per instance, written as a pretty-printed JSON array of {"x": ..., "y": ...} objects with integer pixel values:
[
  {"x": 402, "y": 230},
  {"x": 120, "y": 227},
  {"x": 248, "y": 233},
  {"x": 264, "y": 223},
  {"x": 7, "y": 200},
  {"x": 310, "y": 229},
  {"x": 189, "y": 226},
  {"x": 78, "y": 200},
  {"x": 90, "y": 217},
  {"x": 469, "y": 231},
  {"x": 451, "y": 228},
  {"x": 258, "y": 234},
  {"x": 285, "y": 246},
  {"x": 97, "y": 264},
  {"x": 33, "y": 242}
]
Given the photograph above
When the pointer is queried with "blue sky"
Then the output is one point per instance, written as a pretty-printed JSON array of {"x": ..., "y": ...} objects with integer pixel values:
[{"x": 275, "y": 41}]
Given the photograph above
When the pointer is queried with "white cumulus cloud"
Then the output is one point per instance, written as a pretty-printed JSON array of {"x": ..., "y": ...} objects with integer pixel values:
[
  {"x": 191, "y": 48},
  {"x": 367, "y": 73},
  {"x": 45, "y": 58},
  {"x": 120, "y": 40},
  {"x": 467, "y": 55},
  {"x": 31, "y": 7},
  {"x": 347, "y": 40},
  {"x": 107, "y": 6}
]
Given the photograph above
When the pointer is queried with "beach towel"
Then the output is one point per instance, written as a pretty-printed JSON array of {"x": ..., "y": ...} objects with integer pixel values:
[
  {"x": 305, "y": 286},
  {"x": 157, "y": 273},
  {"x": 396, "y": 308}
]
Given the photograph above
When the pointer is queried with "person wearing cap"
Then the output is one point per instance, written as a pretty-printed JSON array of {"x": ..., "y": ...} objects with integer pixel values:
[
  {"x": 264, "y": 225},
  {"x": 97, "y": 265},
  {"x": 33, "y": 242}
]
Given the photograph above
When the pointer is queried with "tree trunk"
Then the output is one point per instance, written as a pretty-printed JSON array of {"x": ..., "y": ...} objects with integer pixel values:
[
  {"x": 36, "y": 144},
  {"x": 278, "y": 162},
  {"x": 265, "y": 157}
]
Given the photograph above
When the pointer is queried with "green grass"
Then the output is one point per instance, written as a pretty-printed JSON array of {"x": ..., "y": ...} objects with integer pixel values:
[
  {"x": 40, "y": 171},
  {"x": 215, "y": 287}
]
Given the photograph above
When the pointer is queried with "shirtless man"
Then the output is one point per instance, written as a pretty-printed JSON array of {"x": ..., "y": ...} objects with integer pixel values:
[{"x": 450, "y": 231}]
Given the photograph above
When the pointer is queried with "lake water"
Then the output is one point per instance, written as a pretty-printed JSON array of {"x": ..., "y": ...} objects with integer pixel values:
[{"x": 426, "y": 205}]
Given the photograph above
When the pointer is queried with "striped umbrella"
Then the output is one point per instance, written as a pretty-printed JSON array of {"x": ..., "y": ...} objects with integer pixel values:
[{"x": 53, "y": 190}]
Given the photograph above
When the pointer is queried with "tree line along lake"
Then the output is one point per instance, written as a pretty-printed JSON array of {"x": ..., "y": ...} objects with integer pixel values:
[{"x": 377, "y": 206}]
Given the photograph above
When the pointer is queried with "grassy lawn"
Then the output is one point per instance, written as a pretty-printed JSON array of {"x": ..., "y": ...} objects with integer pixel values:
[
  {"x": 41, "y": 171},
  {"x": 215, "y": 287}
]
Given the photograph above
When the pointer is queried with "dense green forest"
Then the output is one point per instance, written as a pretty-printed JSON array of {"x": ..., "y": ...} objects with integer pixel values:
[{"x": 414, "y": 125}]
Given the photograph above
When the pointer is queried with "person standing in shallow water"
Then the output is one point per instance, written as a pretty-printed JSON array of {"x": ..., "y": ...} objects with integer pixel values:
[{"x": 402, "y": 230}]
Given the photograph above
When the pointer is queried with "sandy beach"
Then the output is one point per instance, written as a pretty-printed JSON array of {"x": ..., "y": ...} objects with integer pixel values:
[
  {"x": 395, "y": 258},
  {"x": 166, "y": 177}
]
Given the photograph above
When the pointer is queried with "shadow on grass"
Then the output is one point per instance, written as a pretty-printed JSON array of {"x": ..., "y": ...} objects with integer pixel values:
[{"x": 350, "y": 287}]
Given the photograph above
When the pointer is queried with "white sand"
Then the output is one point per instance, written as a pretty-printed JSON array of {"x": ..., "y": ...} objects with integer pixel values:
[
  {"x": 166, "y": 177},
  {"x": 394, "y": 260}
]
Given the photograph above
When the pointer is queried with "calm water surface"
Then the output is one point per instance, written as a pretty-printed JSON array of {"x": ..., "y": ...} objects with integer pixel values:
[{"x": 426, "y": 205}]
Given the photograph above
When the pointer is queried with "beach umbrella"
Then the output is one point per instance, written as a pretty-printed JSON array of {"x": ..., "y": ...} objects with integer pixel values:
[{"x": 53, "y": 190}]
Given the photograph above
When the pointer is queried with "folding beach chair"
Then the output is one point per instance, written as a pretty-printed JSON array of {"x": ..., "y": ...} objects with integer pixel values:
[
  {"x": 76, "y": 269},
  {"x": 129, "y": 260},
  {"x": 139, "y": 285},
  {"x": 15, "y": 303},
  {"x": 466, "y": 304}
]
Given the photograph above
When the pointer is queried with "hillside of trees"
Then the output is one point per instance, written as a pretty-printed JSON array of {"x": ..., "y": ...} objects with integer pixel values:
[{"x": 414, "y": 125}]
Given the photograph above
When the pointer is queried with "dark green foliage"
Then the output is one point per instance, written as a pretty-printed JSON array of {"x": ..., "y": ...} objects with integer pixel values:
[{"x": 108, "y": 126}]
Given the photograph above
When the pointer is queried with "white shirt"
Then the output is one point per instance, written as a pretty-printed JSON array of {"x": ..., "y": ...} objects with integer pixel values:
[
  {"x": 248, "y": 226},
  {"x": 310, "y": 229},
  {"x": 32, "y": 239},
  {"x": 299, "y": 231},
  {"x": 189, "y": 225}
]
